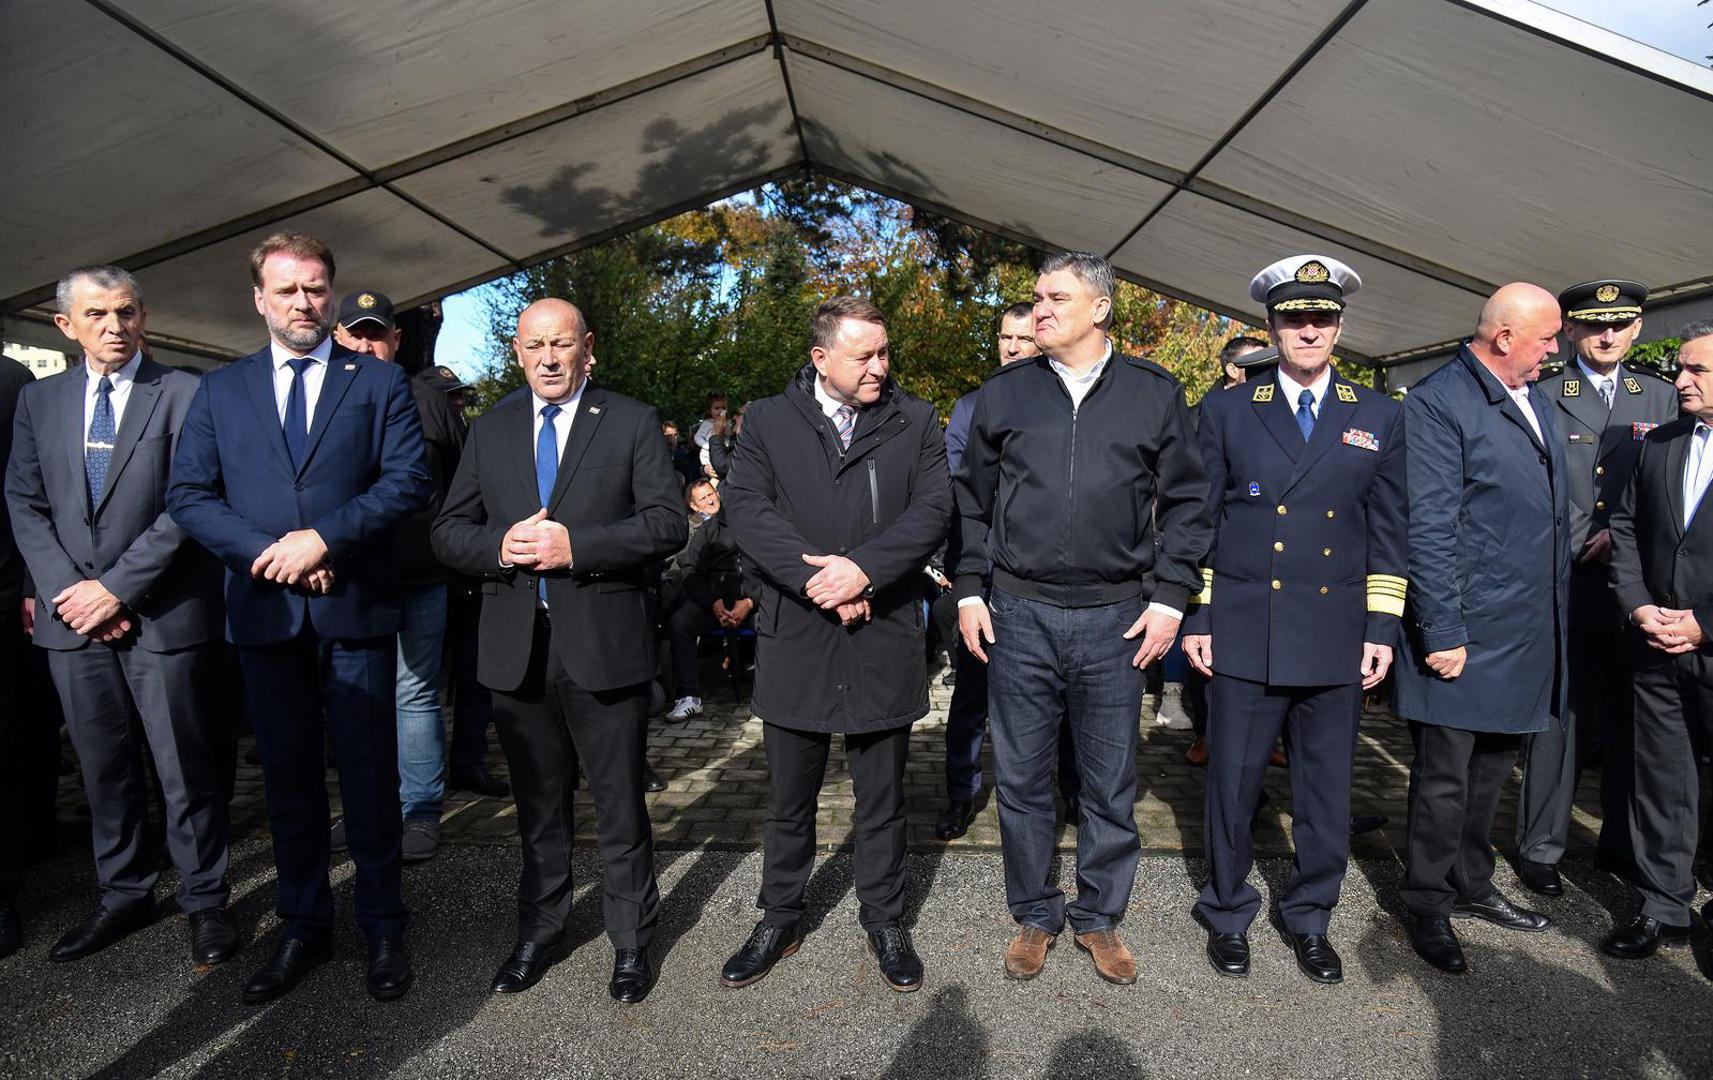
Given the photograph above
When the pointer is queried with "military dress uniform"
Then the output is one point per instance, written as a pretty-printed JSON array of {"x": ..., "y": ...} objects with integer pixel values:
[
  {"x": 1602, "y": 428},
  {"x": 1308, "y": 563}
]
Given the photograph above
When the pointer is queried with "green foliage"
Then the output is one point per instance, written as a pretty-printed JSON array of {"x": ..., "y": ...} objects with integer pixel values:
[{"x": 1659, "y": 356}]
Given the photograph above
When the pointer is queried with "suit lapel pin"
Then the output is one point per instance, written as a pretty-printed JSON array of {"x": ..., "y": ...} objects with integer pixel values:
[
  {"x": 1254, "y": 489},
  {"x": 1263, "y": 393},
  {"x": 1573, "y": 388},
  {"x": 1632, "y": 385},
  {"x": 350, "y": 367},
  {"x": 1346, "y": 394},
  {"x": 594, "y": 410}
]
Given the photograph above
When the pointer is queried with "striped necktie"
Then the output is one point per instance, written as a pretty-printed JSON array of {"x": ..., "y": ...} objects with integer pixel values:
[{"x": 844, "y": 418}]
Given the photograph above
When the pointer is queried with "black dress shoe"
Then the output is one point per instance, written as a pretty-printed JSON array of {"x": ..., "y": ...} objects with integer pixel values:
[
  {"x": 1501, "y": 912},
  {"x": 954, "y": 822},
  {"x": 899, "y": 964},
  {"x": 1643, "y": 937},
  {"x": 1366, "y": 823},
  {"x": 1228, "y": 953},
  {"x": 651, "y": 780},
  {"x": 11, "y": 929},
  {"x": 479, "y": 783},
  {"x": 527, "y": 964},
  {"x": 1434, "y": 941},
  {"x": 294, "y": 959},
  {"x": 950, "y": 678},
  {"x": 767, "y": 945},
  {"x": 1316, "y": 957},
  {"x": 1539, "y": 878},
  {"x": 213, "y": 937},
  {"x": 389, "y": 967},
  {"x": 633, "y": 975},
  {"x": 102, "y": 929}
]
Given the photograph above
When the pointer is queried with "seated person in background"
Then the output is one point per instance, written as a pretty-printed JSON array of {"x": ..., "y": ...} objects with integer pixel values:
[{"x": 709, "y": 597}]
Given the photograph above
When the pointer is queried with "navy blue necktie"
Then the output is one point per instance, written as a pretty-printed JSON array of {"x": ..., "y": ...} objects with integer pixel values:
[
  {"x": 1305, "y": 413},
  {"x": 297, "y": 411},
  {"x": 98, "y": 446},
  {"x": 546, "y": 469}
]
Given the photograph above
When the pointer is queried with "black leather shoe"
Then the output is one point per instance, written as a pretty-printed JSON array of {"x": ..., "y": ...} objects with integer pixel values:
[
  {"x": 389, "y": 967},
  {"x": 478, "y": 783},
  {"x": 1436, "y": 942},
  {"x": 767, "y": 945},
  {"x": 213, "y": 937},
  {"x": 294, "y": 959},
  {"x": 1539, "y": 878},
  {"x": 102, "y": 929},
  {"x": 651, "y": 780},
  {"x": 899, "y": 964},
  {"x": 1367, "y": 823},
  {"x": 11, "y": 929},
  {"x": 954, "y": 822},
  {"x": 633, "y": 975},
  {"x": 1643, "y": 937},
  {"x": 527, "y": 964},
  {"x": 1501, "y": 912},
  {"x": 1228, "y": 953},
  {"x": 1316, "y": 957}
]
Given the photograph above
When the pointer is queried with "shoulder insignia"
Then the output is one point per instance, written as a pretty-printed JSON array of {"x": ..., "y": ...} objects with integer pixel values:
[
  {"x": 1263, "y": 393},
  {"x": 1346, "y": 394},
  {"x": 1573, "y": 388},
  {"x": 1632, "y": 385}
]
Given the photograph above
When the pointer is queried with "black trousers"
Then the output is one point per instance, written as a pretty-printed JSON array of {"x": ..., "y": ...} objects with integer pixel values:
[
  {"x": 1245, "y": 723},
  {"x": 796, "y": 763},
  {"x": 687, "y": 625},
  {"x": 547, "y": 726},
  {"x": 290, "y": 687},
  {"x": 102, "y": 689},
  {"x": 1455, "y": 781},
  {"x": 1673, "y": 731},
  {"x": 29, "y": 753}
]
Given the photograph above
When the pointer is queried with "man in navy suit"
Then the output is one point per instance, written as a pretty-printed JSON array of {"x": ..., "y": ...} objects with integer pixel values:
[{"x": 293, "y": 467}]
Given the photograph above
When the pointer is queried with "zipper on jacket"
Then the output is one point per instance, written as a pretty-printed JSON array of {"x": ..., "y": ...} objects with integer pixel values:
[
  {"x": 873, "y": 493},
  {"x": 1071, "y": 503}
]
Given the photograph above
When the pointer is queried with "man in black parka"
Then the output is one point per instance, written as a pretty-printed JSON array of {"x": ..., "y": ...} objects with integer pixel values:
[{"x": 837, "y": 495}]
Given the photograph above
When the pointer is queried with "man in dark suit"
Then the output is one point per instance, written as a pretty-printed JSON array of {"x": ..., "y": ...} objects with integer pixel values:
[
  {"x": 294, "y": 466},
  {"x": 125, "y": 604},
  {"x": 1604, "y": 409},
  {"x": 1662, "y": 572},
  {"x": 1307, "y": 472},
  {"x": 564, "y": 494},
  {"x": 1483, "y": 660},
  {"x": 837, "y": 497}
]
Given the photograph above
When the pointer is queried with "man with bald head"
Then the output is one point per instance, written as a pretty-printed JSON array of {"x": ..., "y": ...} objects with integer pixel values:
[
  {"x": 1485, "y": 628},
  {"x": 564, "y": 494}
]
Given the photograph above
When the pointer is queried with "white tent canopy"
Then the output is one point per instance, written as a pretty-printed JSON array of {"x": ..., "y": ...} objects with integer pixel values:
[{"x": 1441, "y": 147}]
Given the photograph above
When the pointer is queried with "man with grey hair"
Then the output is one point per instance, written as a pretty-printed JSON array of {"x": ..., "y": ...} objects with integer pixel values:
[
  {"x": 126, "y": 604},
  {"x": 1083, "y": 598},
  {"x": 1662, "y": 571}
]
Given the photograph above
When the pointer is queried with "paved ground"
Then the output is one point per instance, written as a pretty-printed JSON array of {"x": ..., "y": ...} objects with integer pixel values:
[{"x": 1547, "y": 1005}]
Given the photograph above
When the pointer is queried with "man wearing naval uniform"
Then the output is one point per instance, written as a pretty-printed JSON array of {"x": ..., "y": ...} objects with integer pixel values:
[
  {"x": 1299, "y": 613},
  {"x": 1604, "y": 409}
]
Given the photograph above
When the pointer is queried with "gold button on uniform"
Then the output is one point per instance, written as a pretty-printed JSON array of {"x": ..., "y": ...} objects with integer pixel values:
[
  {"x": 1277, "y": 584},
  {"x": 1281, "y": 510},
  {"x": 1326, "y": 552},
  {"x": 1601, "y": 505},
  {"x": 1323, "y": 590},
  {"x": 1278, "y": 545},
  {"x": 1599, "y": 470},
  {"x": 1329, "y": 513}
]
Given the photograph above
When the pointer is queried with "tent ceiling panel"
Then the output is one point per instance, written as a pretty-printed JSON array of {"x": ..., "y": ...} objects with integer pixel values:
[
  {"x": 943, "y": 156},
  {"x": 111, "y": 146},
  {"x": 1488, "y": 148},
  {"x": 1136, "y": 80},
  {"x": 1211, "y": 251},
  {"x": 603, "y": 168},
  {"x": 380, "y": 242},
  {"x": 405, "y": 76}
]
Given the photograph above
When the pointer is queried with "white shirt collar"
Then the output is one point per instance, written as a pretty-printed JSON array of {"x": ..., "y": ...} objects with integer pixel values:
[
  {"x": 1292, "y": 389},
  {"x": 1088, "y": 376},
  {"x": 322, "y": 352},
  {"x": 119, "y": 379},
  {"x": 567, "y": 407},
  {"x": 828, "y": 403},
  {"x": 1594, "y": 376}
]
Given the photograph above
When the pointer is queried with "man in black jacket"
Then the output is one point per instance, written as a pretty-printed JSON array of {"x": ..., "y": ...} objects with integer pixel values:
[
  {"x": 710, "y": 596},
  {"x": 1662, "y": 571},
  {"x": 838, "y": 496},
  {"x": 1074, "y": 459}
]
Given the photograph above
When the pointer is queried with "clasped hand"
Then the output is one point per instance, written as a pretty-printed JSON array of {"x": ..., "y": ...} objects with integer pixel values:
[
  {"x": 89, "y": 609},
  {"x": 537, "y": 543},
  {"x": 299, "y": 560},
  {"x": 1670, "y": 630},
  {"x": 837, "y": 583}
]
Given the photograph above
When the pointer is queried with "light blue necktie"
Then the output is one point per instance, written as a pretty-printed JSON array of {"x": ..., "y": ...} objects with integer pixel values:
[
  {"x": 98, "y": 446},
  {"x": 546, "y": 470},
  {"x": 1305, "y": 413}
]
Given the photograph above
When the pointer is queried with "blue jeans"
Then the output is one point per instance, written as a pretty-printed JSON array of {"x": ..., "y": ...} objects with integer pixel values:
[
  {"x": 422, "y": 734},
  {"x": 1049, "y": 662}
]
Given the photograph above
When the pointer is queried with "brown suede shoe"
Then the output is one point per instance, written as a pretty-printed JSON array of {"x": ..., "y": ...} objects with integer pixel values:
[
  {"x": 1027, "y": 953},
  {"x": 1112, "y": 960}
]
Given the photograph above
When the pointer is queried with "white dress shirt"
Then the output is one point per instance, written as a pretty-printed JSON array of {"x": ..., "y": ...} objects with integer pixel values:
[
  {"x": 313, "y": 377},
  {"x": 120, "y": 394},
  {"x": 1076, "y": 385},
  {"x": 1697, "y": 470},
  {"x": 1520, "y": 395},
  {"x": 1292, "y": 389},
  {"x": 830, "y": 405},
  {"x": 1595, "y": 379}
]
